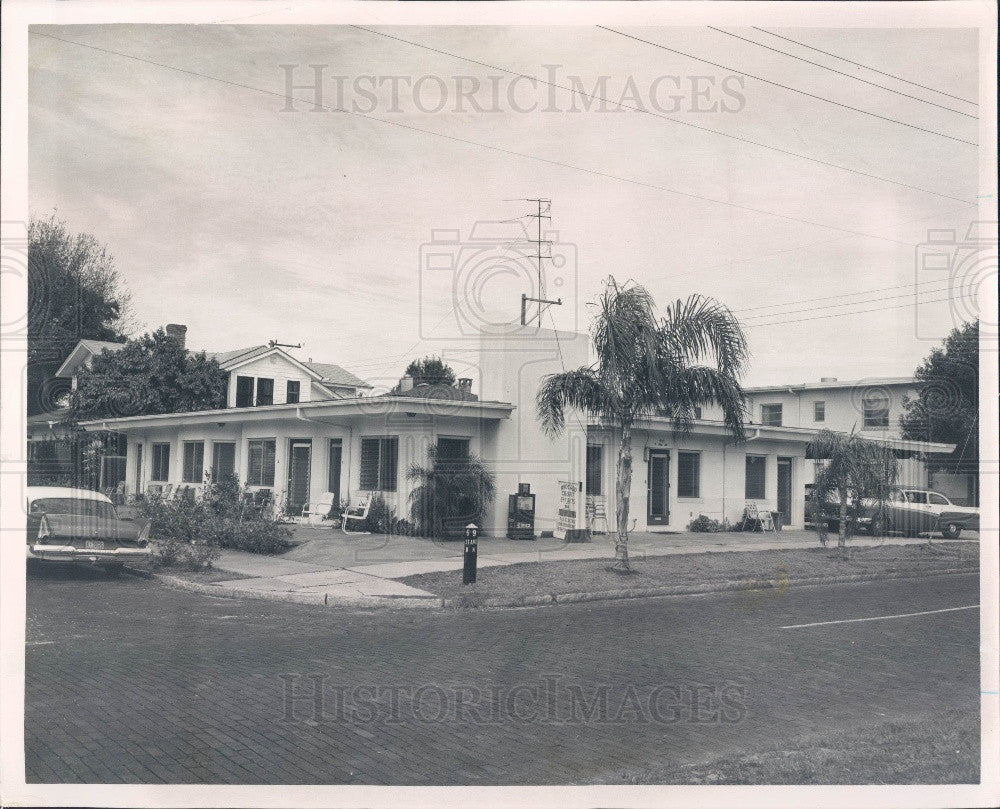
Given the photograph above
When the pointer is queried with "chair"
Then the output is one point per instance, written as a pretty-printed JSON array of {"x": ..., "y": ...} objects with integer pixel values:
[
  {"x": 760, "y": 518},
  {"x": 319, "y": 510},
  {"x": 358, "y": 512},
  {"x": 596, "y": 510}
]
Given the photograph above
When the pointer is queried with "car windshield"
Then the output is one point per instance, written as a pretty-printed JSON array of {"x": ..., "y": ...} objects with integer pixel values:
[
  {"x": 938, "y": 499},
  {"x": 80, "y": 507}
]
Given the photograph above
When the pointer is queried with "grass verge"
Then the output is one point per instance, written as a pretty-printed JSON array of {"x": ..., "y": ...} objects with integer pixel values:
[
  {"x": 934, "y": 750},
  {"x": 754, "y": 568}
]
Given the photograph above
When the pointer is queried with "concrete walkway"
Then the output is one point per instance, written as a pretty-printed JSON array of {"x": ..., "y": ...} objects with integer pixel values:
[{"x": 364, "y": 569}]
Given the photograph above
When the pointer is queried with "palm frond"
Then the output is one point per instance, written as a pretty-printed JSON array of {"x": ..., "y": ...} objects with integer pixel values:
[
  {"x": 701, "y": 328},
  {"x": 582, "y": 388}
]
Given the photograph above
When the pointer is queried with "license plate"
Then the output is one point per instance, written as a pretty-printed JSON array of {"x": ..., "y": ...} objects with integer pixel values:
[{"x": 94, "y": 545}]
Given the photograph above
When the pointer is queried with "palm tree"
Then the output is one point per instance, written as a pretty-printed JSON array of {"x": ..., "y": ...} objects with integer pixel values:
[
  {"x": 647, "y": 366},
  {"x": 855, "y": 468},
  {"x": 449, "y": 489}
]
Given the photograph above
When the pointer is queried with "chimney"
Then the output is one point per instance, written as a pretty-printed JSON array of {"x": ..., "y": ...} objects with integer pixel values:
[
  {"x": 405, "y": 384},
  {"x": 465, "y": 384},
  {"x": 177, "y": 332},
  {"x": 828, "y": 379}
]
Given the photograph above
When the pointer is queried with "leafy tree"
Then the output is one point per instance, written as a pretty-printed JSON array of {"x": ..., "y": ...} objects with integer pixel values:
[
  {"x": 449, "y": 489},
  {"x": 74, "y": 292},
  {"x": 430, "y": 371},
  {"x": 947, "y": 406},
  {"x": 693, "y": 356},
  {"x": 152, "y": 374},
  {"x": 857, "y": 474}
]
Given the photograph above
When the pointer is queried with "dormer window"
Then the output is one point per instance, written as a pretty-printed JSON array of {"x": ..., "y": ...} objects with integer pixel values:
[
  {"x": 292, "y": 391},
  {"x": 244, "y": 391},
  {"x": 265, "y": 391}
]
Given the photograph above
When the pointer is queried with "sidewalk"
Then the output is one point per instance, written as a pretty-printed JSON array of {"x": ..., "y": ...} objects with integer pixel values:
[{"x": 363, "y": 570}]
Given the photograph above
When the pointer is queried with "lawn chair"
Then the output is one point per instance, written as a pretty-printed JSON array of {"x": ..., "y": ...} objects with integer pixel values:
[
  {"x": 597, "y": 511},
  {"x": 759, "y": 518},
  {"x": 315, "y": 513},
  {"x": 358, "y": 513}
]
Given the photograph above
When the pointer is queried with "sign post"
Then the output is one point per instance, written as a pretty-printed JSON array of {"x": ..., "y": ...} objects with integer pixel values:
[{"x": 469, "y": 556}]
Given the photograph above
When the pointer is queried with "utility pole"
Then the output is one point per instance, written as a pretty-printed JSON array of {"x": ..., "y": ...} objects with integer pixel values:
[{"x": 543, "y": 211}]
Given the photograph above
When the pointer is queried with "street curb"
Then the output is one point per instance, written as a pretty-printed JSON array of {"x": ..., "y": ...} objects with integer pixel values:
[{"x": 693, "y": 590}]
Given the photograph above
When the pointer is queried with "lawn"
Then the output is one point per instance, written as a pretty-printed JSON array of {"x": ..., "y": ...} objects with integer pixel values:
[
  {"x": 942, "y": 750},
  {"x": 753, "y": 568}
]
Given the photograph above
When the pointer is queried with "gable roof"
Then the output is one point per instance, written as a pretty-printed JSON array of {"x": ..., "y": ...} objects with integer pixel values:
[
  {"x": 335, "y": 375},
  {"x": 81, "y": 352},
  {"x": 226, "y": 357}
]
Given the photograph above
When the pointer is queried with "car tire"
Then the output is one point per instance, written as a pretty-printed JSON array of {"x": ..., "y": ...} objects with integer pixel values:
[{"x": 951, "y": 530}]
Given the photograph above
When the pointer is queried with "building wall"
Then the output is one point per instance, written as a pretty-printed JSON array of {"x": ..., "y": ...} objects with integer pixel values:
[{"x": 273, "y": 367}]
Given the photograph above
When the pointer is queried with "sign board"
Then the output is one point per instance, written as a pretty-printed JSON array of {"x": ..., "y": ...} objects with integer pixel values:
[{"x": 569, "y": 508}]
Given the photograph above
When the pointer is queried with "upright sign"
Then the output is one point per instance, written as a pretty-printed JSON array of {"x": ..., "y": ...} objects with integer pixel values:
[{"x": 569, "y": 508}]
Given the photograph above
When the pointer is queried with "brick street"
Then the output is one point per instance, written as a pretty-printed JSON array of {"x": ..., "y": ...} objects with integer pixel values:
[{"x": 129, "y": 681}]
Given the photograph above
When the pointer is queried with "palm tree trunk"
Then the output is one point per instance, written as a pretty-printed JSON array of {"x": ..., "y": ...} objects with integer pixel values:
[
  {"x": 842, "y": 527},
  {"x": 623, "y": 486}
]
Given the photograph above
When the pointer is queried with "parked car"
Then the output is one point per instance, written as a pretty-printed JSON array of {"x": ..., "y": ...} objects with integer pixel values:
[
  {"x": 82, "y": 526},
  {"x": 907, "y": 511}
]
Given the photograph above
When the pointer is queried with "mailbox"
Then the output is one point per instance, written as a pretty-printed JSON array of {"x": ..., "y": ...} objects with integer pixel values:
[{"x": 521, "y": 513}]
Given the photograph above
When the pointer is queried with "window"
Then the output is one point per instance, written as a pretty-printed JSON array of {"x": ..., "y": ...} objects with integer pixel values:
[
  {"x": 244, "y": 391},
  {"x": 917, "y": 497},
  {"x": 378, "y": 463},
  {"x": 875, "y": 410},
  {"x": 265, "y": 391},
  {"x": 688, "y": 474},
  {"x": 595, "y": 456},
  {"x": 260, "y": 462},
  {"x": 453, "y": 449},
  {"x": 819, "y": 411},
  {"x": 770, "y": 415},
  {"x": 223, "y": 459},
  {"x": 194, "y": 462},
  {"x": 292, "y": 391},
  {"x": 756, "y": 471},
  {"x": 161, "y": 463}
]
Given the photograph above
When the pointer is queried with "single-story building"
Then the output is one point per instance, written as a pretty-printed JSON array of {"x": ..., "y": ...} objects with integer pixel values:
[{"x": 353, "y": 444}]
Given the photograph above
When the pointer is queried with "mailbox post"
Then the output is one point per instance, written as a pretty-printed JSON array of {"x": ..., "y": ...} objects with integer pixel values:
[{"x": 469, "y": 557}]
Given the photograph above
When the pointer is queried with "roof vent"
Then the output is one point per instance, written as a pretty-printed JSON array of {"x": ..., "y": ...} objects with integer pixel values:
[
  {"x": 465, "y": 384},
  {"x": 828, "y": 379}
]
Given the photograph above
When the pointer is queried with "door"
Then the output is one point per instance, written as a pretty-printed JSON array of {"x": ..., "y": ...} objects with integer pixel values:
[
  {"x": 299, "y": 461},
  {"x": 785, "y": 489},
  {"x": 658, "y": 488},
  {"x": 138, "y": 468},
  {"x": 333, "y": 474}
]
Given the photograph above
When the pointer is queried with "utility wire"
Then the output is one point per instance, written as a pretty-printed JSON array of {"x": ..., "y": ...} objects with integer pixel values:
[
  {"x": 455, "y": 139},
  {"x": 842, "y": 73},
  {"x": 844, "y": 314},
  {"x": 831, "y": 297},
  {"x": 846, "y": 303},
  {"x": 661, "y": 116},
  {"x": 792, "y": 89},
  {"x": 866, "y": 67}
]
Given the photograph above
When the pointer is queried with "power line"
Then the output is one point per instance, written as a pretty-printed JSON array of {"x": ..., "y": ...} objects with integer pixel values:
[
  {"x": 866, "y": 67},
  {"x": 842, "y": 73},
  {"x": 830, "y": 297},
  {"x": 640, "y": 109},
  {"x": 845, "y": 314},
  {"x": 499, "y": 149},
  {"x": 792, "y": 89},
  {"x": 846, "y": 303}
]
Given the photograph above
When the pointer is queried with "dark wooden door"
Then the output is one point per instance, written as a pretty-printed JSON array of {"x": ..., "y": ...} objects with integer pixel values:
[
  {"x": 299, "y": 462},
  {"x": 785, "y": 488},
  {"x": 658, "y": 488}
]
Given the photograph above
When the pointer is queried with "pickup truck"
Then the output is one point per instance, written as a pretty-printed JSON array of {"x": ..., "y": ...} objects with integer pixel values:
[{"x": 907, "y": 511}]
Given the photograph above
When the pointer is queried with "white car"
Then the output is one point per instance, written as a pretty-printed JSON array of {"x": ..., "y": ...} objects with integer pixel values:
[{"x": 82, "y": 526}]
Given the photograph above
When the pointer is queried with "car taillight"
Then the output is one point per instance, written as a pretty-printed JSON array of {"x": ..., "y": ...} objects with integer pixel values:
[{"x": 43, "y": 528}]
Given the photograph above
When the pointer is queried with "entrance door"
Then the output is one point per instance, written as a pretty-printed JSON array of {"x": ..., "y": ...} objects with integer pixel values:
[
  {"x": 138, "y": 468},
  {"x": 333, "y": 474},
  {"x": 658, "y": 488},
  {"x": 785, "y": 488},
  {"x": 299, "y": 461}
]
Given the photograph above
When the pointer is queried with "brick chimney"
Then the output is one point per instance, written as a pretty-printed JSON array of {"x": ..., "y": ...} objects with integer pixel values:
[
  {"x": 405, "y": 384},
  {"x": 177, "y": 332}
]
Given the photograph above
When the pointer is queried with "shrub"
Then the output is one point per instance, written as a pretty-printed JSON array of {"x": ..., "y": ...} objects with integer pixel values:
[
  {"x": 705, "y": 525},
  {"x": 449, "y": 490},
  {"x": 382, "y": 519}
]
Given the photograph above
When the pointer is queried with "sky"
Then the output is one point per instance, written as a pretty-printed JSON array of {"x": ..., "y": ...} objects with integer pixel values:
[{"x": 796, "y": 195}]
